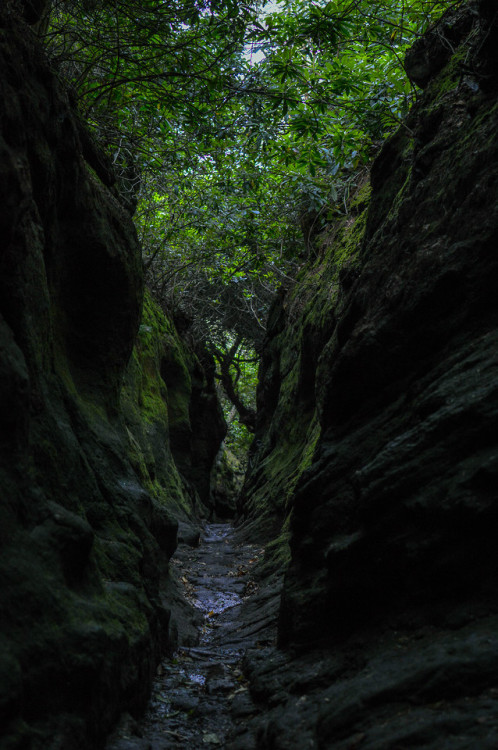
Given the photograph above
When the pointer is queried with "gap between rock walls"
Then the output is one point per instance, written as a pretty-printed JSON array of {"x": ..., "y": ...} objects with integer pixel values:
[
  {"x": 200, "y": 695},
  {"x": 370, "y": 619}
]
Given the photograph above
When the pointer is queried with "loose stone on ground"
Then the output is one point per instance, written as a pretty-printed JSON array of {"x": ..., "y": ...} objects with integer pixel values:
[{"x": 201, "y": 693}]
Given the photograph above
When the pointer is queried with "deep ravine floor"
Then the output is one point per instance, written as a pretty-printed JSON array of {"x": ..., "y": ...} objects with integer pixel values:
[{"x": 200, "y": 698}]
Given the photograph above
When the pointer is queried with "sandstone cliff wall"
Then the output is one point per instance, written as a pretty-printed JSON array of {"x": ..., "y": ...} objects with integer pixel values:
[
  {"x": 384, "y": 389},
  {"x": 90, "y": 474},
  {"x": 399, "y": 504}
]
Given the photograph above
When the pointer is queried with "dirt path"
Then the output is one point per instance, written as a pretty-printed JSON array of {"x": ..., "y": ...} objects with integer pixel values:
[{"x": 200, "y": 695}]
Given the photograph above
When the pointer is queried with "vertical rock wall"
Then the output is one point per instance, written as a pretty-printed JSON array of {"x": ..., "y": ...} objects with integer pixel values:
[
  {"x": 89, "y": 489},
  {"x": 397, "y": 510},
  {"x": 390, "y": 596}
]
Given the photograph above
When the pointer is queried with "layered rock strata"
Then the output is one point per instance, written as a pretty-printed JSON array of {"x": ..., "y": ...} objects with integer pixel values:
[
  {"x": 390, "y": 596},
  {"x": 90, "y": 492}
]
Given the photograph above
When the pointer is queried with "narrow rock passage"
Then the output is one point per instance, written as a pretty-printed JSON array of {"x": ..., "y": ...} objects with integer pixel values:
[{"x": 199, "y": 694}]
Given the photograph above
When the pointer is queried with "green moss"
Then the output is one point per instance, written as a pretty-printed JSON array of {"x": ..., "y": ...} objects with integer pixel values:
[
  {"x": 449, "y": 78},
  {"x": 305, "y": 457},
  {"x": 151, "y": 392},
  {"x": 361, "y": 199},
  {"x": 347, "y": 247},
  {"x": 311, "y": 307},
  {"x": 170, "y": 492},
  {"x": 145, "y": 392},
  {"x": 159, "y": 348},
  {"x": 155, "y": 400},
  {"x": 277, "y": 553},
  {"x": 400, "y": 196}
]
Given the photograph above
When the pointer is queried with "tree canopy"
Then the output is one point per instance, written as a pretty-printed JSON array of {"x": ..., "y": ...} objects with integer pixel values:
[{"x": 237, "y": 130}]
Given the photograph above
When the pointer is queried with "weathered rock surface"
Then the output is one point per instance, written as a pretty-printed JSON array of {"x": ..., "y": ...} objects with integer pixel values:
[
  {"x": 198, "y": 695},
  {"x": 398, "y": 506},
  {"x": 390, "y": 597},
  {"x": 227, "y": 479},
  {"x": 174, "y": 420},
  {"x": 89, "y": 490},
  {"x": 197, "y": 425}
]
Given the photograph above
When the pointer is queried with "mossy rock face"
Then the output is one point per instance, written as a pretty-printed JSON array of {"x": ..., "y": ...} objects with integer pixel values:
[
  {"x": 174, "y": 420},
  {"x": 197, "y": 425},
  {"x": 432, "y": 52},
  {"x": 390, "y": 350},
  {"x": 227, "y": 480},
  {"x": 89, "y": 489},
  {"x": 299, "y": 329},
  {"x": 388, "y": 615}
]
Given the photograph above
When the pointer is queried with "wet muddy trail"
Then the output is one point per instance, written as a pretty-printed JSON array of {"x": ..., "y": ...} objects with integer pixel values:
[{"x": 200, "y": 698}]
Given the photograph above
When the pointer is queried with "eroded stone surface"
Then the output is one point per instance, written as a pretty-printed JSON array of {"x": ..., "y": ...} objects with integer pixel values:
[
  {"x": 388, "y": 613},
  {"x": 87, "y": 519},
  {"x": 200, "y": 694}
]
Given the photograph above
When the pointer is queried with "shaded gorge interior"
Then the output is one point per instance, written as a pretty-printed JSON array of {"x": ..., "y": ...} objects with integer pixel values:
[{"x": 360, "y": 599}]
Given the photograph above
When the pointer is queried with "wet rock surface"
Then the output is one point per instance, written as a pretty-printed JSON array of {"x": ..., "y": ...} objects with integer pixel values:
[
  {"x": 200, "y": 697},
  {"x": 424, "y": 687}
]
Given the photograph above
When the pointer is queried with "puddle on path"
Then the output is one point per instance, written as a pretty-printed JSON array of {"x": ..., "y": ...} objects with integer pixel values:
[{"x": 198, "y": 692}]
